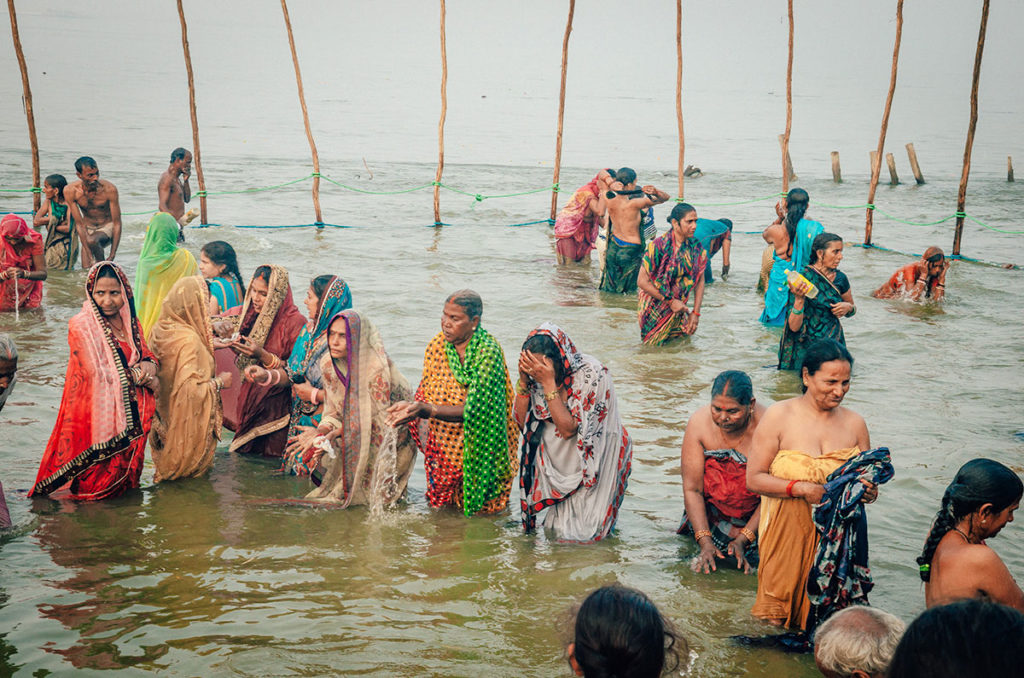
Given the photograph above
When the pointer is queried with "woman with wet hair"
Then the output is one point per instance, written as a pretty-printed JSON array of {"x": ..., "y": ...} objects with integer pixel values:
[
  {"x": 791, "y": 235},
  {"x": 955, "y": 562}
]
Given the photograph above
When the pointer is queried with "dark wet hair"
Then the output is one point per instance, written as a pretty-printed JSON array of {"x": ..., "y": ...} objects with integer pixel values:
[
  {"x": 965, "y": 638},
  {"x": 83, "y": 162},
  {"x": 107, "y": 272},
  {"x": 543, "y": 344},
  {"x": 734, "y": 384},
  {"x": 319, "y": 285},
  {"x": 821, "y": 351},
  {"x": 178, "y": 154},
  {"x": 58, "y": 182},
  {"x": 978, "y": 482},
  {"x": 820, "y": 244},
  {"x": 727, "y": 222},
  {"x": 625, "y": 176},
  {"x": 796, "y": 206},
  {"x": 679, "y": 211},
  {"x": 263, "y": 273},
  {"x": 620, "y": 633},
  {"x": 223, "y": 254},
  {"x": 470, "y": 302}
]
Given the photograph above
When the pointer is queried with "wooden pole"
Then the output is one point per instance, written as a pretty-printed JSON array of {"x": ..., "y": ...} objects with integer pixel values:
[
  {"x": 914, "y": 167},
  {"x": 27, "y": 98},
  {"x": 679, "y": 93},
  {"x": 1009, "y": 168},
  {"x": 561, "y": 112},
  {"x": 961, "y": 198},
  {"x": 837, "y": 175},
  {"x": 890, "y": 162},
  {"x": 305, "y": 115},
  {"x": 876, "y": 160},
  {"x": 787, "y": 161},
  {"x": 440, "y": 124},
  {"x": 787, "y": 165},
  {"x": 195, "y": 121}
]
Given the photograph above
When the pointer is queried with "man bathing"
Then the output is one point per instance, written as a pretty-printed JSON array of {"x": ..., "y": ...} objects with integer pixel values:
[
  {"x": 96, "y": 212},
  {"x": 625, "y": 251},
  {"x": 174, "y": 190}
]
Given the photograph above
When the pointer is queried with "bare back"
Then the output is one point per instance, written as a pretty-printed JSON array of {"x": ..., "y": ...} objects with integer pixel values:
[
  {"x": 625, "y": 214},
  {"x": 777, "y": 236},
  {"x": 960, "y": 570}
]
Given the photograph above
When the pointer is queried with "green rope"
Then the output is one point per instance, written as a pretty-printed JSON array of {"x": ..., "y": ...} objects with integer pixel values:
[
  {"x": 913, "y": 223},
  {"x": 360, "y": 190},
  {"x": 34, "y": 189},
  {"x": 992, "y": 228},
  {"x": 258, "y": 190}
]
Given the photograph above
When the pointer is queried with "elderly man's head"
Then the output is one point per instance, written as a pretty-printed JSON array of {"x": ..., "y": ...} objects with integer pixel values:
[{"x": 857, "y": 641}]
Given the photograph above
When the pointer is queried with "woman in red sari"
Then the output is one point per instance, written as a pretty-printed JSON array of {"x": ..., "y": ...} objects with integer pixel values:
[
  {"x": 99, "y": 440},
  {"x": 22, "y": 265}
]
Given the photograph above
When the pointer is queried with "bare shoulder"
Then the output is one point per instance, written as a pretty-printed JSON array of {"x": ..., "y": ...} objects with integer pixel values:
[
  {"x": 774, "y": 231},
  {"x": 108, "y": 187},
  {"x": 73, "y": 190},
  {"x": 700, "y": 421}
]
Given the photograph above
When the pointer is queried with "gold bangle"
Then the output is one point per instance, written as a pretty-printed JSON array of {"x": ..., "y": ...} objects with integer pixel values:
[
  {"x": 520, "y": 390},
  {"x": 749, "y": 534},
  {"x": 700, "y": 534},
  {"x": 551, "y": 396}
]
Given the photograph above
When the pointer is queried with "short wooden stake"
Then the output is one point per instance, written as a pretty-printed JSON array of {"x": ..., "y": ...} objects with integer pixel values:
[
  {"x": 837, "y": 175},
  {"x": 1009, "y": 168},
  {"x": 914, "y": 167},
  {"x": 891, "y": 163}
]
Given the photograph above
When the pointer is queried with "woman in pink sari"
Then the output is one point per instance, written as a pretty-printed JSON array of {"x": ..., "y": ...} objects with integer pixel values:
[
  {"x": 22, "y": 265},
  {"x": 577, "y": 224}
]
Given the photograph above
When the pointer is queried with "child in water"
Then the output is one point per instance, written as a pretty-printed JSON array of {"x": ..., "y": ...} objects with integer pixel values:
[
  {"x": 219, "y": 265},
  {"x": 619, "y": 632}
]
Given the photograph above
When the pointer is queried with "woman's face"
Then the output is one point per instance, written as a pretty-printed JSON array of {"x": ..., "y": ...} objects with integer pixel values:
[
  {"x": 456, "y": 325},
  {"x": 337, "y": 339},
  {"x": 686, "y": 226},
  {"x": 312, "y": 303},
  {"x": 828, "y": 386},
  {"x": 258, "y": 291},
  {"x": 831, "y": 255},
  {"x": 108, "y": 295},
  {"x": 208, "y": 268},
  {"x": 729, "y": 415},
  {"x": 999, "y": 520},
  {"x": 49, "y": 191}
]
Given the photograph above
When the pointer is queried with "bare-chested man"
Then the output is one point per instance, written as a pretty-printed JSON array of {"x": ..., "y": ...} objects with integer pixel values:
[
  {"x": 625, "y": 250},
  {"x": 96, "y": 211},
  {"x": 174, "y": 189}
]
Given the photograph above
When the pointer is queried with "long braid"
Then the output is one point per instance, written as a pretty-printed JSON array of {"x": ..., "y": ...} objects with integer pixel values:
[{"x": 944, "y": 522}]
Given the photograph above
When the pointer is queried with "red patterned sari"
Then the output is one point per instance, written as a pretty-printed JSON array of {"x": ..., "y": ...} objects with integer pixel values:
[{"x": 98, "y": 443}]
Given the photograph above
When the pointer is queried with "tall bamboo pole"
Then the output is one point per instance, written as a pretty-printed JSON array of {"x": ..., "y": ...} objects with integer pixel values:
[
  {"x": 192, "y": 110},
  {"x": 679, "y": 91},
  {"x": 876, "y": 165},
  {"x": 786, "y": 167},
  {"x": 440, "y": 124},
  {"x": 561, "y": 110},
  {"x": 27, "y": 96},
  {"x": 961, "y": 198},
  {"x": 305, "y": 115}
]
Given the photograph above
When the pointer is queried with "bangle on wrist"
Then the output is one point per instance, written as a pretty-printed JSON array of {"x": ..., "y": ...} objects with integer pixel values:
[
  {"x": 700, "y": 534},
  {"x": 551, "y": 395},
  {"x": 521, "y": 390},
  {"x": 796, "y": 311},
  {"x": 749, "y": 534},
  {"x": 696, "y": 313},
  {"x": 789, "y": 488}
]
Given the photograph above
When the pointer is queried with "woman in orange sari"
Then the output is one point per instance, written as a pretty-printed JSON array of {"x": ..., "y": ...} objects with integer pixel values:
[{"x": 99, "y": 439}]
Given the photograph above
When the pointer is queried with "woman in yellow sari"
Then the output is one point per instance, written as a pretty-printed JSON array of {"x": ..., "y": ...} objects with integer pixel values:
[
  {"x": 161, "y": 264},
  {"x": 186, "y": 428},
  {"x": 798, "y": 443}
]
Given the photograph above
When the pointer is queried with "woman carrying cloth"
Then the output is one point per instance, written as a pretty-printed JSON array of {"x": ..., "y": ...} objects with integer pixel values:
[
  {"x": 808, "y": 319},
  {"x": 186, "y": 428},
  {"x": 576, "y": 454},
  {"x": 22, "y": 265},
  {"x": 99, "y": 439},
  {"x": 268, "y": 325},
  {"x": 465, "y": 396},
  {"x": 791, "y": 235},
  {"x": 161, "y": 264},
  {"x": 577, "y": 223},
  {"x": 798, "y": 443},
  {"x": 61, "y": 240},
  {"x": 369, "y": 462}
]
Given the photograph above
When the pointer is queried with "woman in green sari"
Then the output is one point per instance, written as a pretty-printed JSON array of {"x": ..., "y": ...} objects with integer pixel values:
[{"x": 810, "y": 318}]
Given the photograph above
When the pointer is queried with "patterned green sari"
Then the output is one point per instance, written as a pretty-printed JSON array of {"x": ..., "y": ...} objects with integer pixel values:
[{"x": 819, "y": 323}]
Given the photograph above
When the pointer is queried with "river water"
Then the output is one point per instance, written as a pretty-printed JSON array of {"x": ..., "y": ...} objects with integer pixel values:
[{"x": 214, "y": 576}]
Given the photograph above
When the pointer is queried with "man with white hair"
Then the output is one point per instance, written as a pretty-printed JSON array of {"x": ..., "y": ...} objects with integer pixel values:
[{"x": 857, "y": 642}]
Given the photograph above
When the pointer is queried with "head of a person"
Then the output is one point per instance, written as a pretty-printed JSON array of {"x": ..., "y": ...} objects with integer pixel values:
[
  {"x": 8, "y": 361},
  {"x": 966, "y": 638},
  {"x": 315, "y": 294},
  {"x": 337, "y": 337},
  {"x": 217, "y": 259},
  {"x": 984, "y": 492},
  {"x": 13, "y": 229},
  {"x": 825, "y": 373},
  {"x": 87, "y": 171},
  {"x": 936, "y": 259},
  {"x": 180, "y": 158},
  {"x": 732, "y": 401},
  {"x": 683, "y": 219},
  {"x": 619, "y": 632},
  {"x": 627, "y": 177},
  {"x": 544, "y": 345},
  {"x": 857, "y": 642},
  {"x": 53, "y": 186},
  {"x": 259, "y": 288},
  {"x": 796, "y": 206},
  {"x": 107, "y": 292},
  {"x": 827, "y": 250},
  {"x": 727, "y": 222},
  {"x": 461, "y": 316}
]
